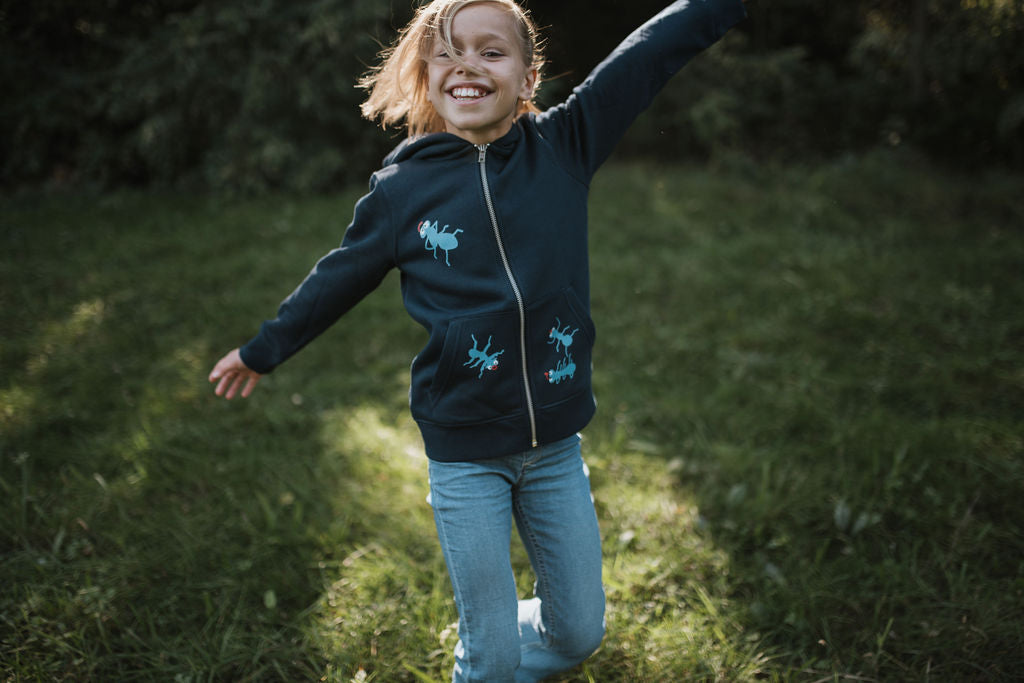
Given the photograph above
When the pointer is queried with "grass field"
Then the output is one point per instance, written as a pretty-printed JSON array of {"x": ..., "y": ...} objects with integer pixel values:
[{"x": 808, "y": 459}]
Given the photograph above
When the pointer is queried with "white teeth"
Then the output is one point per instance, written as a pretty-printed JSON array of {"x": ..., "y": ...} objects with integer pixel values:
[{"x": 467, "y": 93}]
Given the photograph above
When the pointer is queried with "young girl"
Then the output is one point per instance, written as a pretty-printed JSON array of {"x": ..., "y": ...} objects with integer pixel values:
[{"x": 483, "y": 209}]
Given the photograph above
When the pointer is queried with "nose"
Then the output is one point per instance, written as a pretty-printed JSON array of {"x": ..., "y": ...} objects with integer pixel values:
[{"x": 468, "y": 66}]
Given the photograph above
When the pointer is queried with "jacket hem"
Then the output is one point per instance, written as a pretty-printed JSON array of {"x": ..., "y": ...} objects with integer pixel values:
[{"x": 505, "y": 436}]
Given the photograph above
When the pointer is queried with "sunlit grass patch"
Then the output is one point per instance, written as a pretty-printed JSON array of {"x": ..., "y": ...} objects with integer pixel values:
[
  {"x": 806, "y": 459},
  {"x": 667, "y": 582}
]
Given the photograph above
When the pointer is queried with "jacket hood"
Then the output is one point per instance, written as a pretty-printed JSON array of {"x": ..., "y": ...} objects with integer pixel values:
[{"x": 437, "y": 146}]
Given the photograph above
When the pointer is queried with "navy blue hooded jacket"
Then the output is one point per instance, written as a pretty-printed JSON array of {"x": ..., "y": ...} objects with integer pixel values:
[{"x": 491, "y": 242}]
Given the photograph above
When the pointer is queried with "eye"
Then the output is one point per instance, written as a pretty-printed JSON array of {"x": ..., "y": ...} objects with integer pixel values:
[{"x": 493, "y": 54}]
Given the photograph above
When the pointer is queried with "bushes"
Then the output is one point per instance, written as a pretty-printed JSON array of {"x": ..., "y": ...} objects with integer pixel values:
[
  {"x": 234, "y": 95},
  {"x": 242, "y": 96},
  {"x": 946, "y": 77},
  {"x": 779, "y": 104}
]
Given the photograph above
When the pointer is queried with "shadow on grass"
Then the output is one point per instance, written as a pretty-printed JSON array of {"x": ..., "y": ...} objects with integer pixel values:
[
  {"x": 829, "y": 372},
  {"x": 152, "y": 531}
]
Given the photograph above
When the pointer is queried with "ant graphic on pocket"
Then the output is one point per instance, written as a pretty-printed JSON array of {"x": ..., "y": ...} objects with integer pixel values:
[
  {"x": 438, "y": 239},
  {"x": 565, "y": 369},
  {"x": 561, "y": 337},
  {"x": 479, "y": 358}
]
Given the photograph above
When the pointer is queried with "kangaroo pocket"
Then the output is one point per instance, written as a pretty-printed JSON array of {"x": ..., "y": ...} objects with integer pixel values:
[
  {"x": 561, "y": 338},
  {"x": 478, "y": 376}
]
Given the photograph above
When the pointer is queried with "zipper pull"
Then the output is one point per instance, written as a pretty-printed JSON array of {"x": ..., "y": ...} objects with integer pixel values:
[{"x": 483, "y": 153}]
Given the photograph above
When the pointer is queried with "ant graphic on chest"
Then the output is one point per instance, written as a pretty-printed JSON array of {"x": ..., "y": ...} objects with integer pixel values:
[{"x": 435, "y": 239}]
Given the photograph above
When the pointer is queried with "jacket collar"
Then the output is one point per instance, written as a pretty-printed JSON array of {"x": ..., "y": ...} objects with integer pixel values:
[{"x": 448, "y": 146}]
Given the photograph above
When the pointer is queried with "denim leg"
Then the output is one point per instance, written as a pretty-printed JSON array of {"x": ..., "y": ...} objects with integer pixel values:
[
  {"x": 547, "y": 491},
  {"x": 472, "y": 505},
  {"x": 555, "y": 515}
]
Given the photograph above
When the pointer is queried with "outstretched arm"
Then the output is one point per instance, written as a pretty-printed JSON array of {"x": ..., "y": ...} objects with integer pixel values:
[
  {"x": 231, "y": 374},
  {"x": 337, "y": 283},
  {"x": 585, "y": 128}
]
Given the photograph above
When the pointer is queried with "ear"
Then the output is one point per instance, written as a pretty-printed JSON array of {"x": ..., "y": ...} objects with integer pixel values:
[{"x": 529, "y": 83}]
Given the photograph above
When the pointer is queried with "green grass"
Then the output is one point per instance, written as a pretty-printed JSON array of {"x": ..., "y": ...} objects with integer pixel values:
[{"x": 807, "y": 459}]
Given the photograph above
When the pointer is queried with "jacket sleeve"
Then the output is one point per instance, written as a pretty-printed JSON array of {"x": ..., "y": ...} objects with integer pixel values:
[
  {"x": 586, "y": 127},
  {"x": 337, "y": 282}
]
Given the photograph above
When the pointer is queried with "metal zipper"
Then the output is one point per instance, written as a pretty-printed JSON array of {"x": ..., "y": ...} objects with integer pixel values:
[{"x": 481, "y": 160}]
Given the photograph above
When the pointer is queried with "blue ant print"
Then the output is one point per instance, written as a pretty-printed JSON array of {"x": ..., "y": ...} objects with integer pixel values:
[
  {"x": 438, "y": 239},
  {"x": 479, "y": 358},
  {"x": 565, "y": 369},
  {"x": 561, "y": 337}
]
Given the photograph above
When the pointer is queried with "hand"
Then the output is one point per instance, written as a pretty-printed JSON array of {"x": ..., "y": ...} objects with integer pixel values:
[{"x": 231, "y": 374}]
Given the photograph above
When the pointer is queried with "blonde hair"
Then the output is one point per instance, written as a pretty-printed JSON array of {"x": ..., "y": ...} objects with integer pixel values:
[{"x": 397, "y": 87}]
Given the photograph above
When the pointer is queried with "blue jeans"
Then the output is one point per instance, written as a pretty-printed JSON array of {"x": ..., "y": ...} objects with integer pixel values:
[{"x": 547, "y": 492}]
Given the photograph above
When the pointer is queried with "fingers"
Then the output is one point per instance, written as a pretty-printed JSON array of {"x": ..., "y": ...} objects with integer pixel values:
[
  {"x": 239, "y": 378},
  {"x": 229, "y": 364},
  {"x": 233, "y": 376},
  {"x": 224, "y": 383},
  {"x": 250, "y": 384},
  {"x": 233, "y": 382}
]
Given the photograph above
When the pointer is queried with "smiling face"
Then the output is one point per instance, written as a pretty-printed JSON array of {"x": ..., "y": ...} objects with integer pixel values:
[{"x": 477, "y": 95}]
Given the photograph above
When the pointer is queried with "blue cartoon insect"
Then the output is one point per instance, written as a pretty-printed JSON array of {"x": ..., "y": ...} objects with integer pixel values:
[
  {"x": 565, "y": 369},
  {"x": 480, "y": 358},
  {"x": 438, "y": 239},
  {"x": 561, "y": 337}
]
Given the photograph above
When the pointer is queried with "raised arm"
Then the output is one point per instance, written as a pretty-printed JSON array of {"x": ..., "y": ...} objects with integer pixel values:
[{"x": 587, "y": 126}]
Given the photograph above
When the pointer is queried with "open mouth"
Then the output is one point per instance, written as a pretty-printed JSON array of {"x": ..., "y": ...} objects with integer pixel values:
[{"x": 468, "y": 93}]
